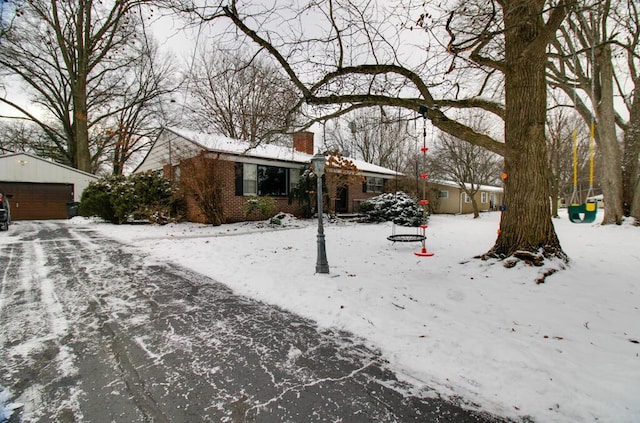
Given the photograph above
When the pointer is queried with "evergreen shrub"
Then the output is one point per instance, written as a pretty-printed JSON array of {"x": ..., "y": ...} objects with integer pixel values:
[
  {"x": 398, "y": 208},
  {"x": 119, "y": 199}
]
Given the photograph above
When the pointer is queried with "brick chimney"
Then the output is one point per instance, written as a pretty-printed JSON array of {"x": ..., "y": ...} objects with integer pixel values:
[{"x": 303, "y": 142}]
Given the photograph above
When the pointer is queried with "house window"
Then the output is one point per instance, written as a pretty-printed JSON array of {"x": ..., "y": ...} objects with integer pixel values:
[
  {"x": 250, "y": 179},
  {"x": 483, "y": 197},
  {"x": 443, "y": 194},
  {"x": 294, "y": 178},
  {"x": 375, "y": 184},
  {"x": 265, "y": 180},
  {"x": 273, "y": 180},
  {"x": 467, "y": 199}
]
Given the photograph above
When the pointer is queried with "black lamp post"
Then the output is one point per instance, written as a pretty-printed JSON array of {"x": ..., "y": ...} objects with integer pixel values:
[{"x": 322, "y": 266}]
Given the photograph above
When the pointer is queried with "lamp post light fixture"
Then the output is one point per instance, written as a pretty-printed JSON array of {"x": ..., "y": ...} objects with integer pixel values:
[{"x": 318, "y": 161}]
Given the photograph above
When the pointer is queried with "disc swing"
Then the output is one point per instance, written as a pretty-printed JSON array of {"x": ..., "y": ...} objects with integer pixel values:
[
  {"x": 419, "y": 236},
  {"x": 583, "y": 212},
  {"x": 404, "y": 237},
  {"x": 394, "y": 237}
]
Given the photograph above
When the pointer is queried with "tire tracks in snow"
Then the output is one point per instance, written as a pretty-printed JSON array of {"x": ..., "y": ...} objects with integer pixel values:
[
  {"x": 34, "y": 329},
  {"x": 157, "y": 342},
  {"x": 91, "y": 280},
  {"x": 52, "y": 311}
]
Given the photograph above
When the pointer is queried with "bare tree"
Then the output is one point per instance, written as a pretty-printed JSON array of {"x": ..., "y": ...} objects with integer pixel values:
[
  {"x": 17, "y": 136},
  {"x": 20, "y": 135},
  {"x": 354, "y": 62},
  {"x": 7, "y": 15},
  {"x": 627, "y": 16},
  {"x": 240, "y": 96},
  {"x": 131, "y": 120},
  {"x": 562, "y": 127},
  {"x": 200, "y": 178},
  {"x": 67, "y": 55},
  {"x": 468, "y": 165},
  {"x": 583, "y": 68},
  {"x": 382, "y": 136}
]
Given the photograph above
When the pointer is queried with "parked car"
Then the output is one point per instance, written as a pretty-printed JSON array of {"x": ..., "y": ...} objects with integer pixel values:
[{"x": 5, "y": 212}]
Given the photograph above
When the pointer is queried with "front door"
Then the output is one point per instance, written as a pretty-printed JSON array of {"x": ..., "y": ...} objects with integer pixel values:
[{"x": 342, "y": 200}]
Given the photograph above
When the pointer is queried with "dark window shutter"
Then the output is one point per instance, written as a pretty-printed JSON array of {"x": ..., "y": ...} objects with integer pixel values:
[
  {"x": 239, "y": 179},
  {"x": 364, "y": 185}
]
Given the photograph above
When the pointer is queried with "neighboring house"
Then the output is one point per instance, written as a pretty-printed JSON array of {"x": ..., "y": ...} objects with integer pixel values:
[
  {"x": 246, "y": 171},
  {"x": 563, "y": 202},
  {"x": 40, "y": 188},
  {"x": 451, "y": 199}
]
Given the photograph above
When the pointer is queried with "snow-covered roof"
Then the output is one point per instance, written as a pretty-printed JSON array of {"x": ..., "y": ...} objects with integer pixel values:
[
  {"x": 47, "y": 162},
  {"x": 222, "y": 144},
  {"x": 487, "y": 188}
]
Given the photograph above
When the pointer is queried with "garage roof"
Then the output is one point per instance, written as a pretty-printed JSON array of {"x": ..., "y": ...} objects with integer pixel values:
[{"x": 25, "y": 167}]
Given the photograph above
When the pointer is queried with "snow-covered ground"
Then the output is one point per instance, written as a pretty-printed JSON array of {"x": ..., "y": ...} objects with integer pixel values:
[{"x": 563, "y": 351}]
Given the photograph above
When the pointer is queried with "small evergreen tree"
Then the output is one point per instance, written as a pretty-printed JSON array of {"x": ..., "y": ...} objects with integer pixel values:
[{"x": 304, "y": 191}]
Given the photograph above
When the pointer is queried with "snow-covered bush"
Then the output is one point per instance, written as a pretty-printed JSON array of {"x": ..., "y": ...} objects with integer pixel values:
[
  {"x": 398, "y": 208},
  {"x": 119, "y": 199},
  {"x": 259, "y": 207}
]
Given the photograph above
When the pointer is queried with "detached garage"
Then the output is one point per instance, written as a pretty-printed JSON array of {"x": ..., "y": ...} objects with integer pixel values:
[{"x": 40, "y": 189}]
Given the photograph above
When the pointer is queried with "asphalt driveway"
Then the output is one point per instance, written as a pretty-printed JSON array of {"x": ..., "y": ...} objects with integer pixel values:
[{"x": 92, "y": 331}]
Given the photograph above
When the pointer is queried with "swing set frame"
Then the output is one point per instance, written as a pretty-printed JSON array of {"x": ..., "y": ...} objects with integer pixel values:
[{"x": 587, "y": 211}]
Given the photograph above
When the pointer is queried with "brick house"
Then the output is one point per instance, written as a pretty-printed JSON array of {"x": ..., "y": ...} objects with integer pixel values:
[{"x": 247, "y": 171}]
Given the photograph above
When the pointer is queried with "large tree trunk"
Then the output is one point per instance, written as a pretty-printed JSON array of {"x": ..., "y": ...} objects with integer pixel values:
[
  {"x": 630, "y": 183},
  {"x": 607, "y": 140},
  {"x": 78, "y": 77},
  {"x": 526, "y": 221},
  {"x": 474, "y": 206},
  {"x": 635, "y": 205},
  {"x": 83, "y": 156}
]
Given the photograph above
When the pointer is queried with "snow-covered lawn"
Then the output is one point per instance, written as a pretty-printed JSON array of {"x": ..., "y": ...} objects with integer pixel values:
[{"x": 562, "y": 351}]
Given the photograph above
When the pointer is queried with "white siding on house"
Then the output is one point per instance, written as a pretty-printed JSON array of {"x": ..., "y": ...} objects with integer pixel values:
[
  {"x": 168, "y": 148},
  {"x": 452, "y": 199},
  {"x": 22, "y": 167}
]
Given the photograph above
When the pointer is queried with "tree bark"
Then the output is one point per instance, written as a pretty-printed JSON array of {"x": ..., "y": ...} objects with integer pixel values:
[
  {"x": 607, "y": 140},
  {"x": 635, "y": 205},
  {"x": 474, "y": 205},
  {"x": 630, "y": 182},
  {"x": 78, "y": 78},
  {"x": 526, "y": 221},
  {"x": 81, "y": 128}
]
